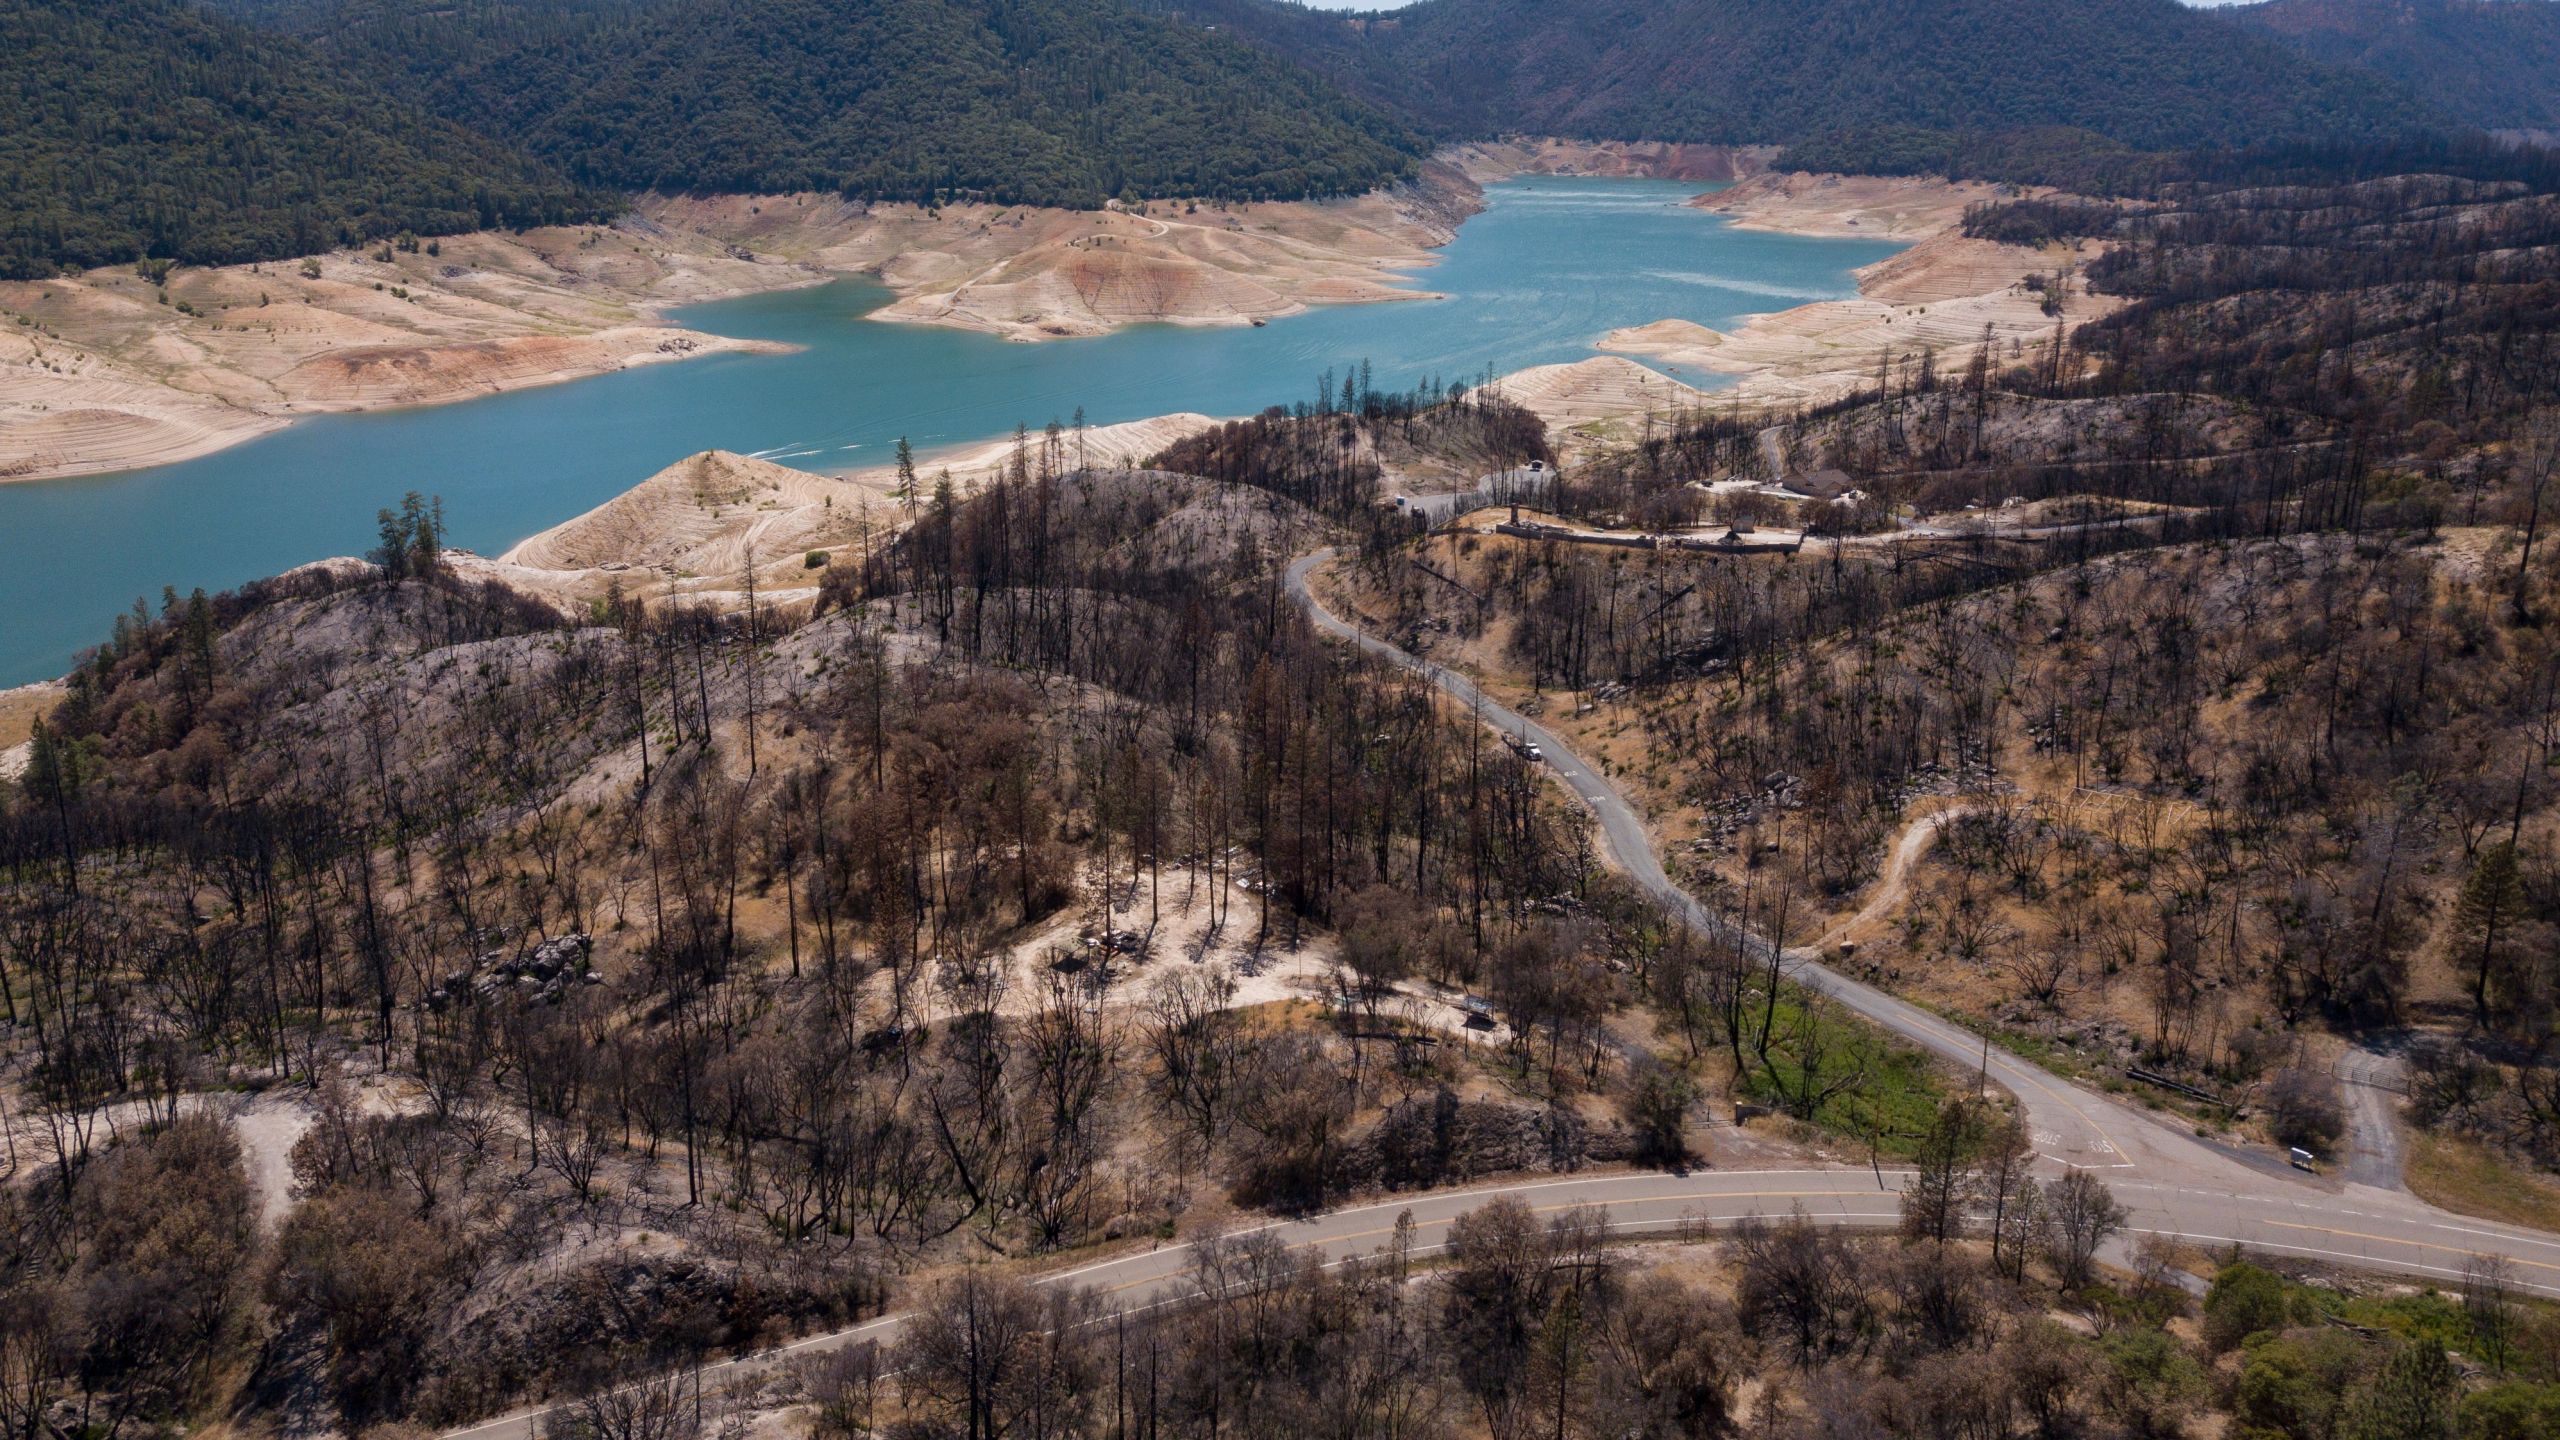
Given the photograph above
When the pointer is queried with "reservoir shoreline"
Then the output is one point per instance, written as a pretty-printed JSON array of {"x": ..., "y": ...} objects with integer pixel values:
[
  {"x": 115, "y": 370},
  {"x": 1550, "y": 267}
]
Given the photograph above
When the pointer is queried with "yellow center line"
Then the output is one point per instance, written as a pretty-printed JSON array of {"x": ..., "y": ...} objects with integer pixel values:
[{"x": 2413, "y": 1244}]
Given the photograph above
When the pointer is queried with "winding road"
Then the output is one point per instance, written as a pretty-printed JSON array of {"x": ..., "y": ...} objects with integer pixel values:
[{"x": 2173, "y": 1184}]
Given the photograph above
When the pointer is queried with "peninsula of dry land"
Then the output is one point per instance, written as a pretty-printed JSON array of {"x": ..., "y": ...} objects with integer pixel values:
[
  {"x": 120, "y": 368},
  {"x": 123, "y": 368},
  {"x": 1947, "y": 295}
]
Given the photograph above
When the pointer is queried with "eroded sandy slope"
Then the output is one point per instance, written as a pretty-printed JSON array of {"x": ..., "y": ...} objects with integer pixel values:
[
  {"x": 1942, "y": 296},
  {"x": 700, "y": 527},
  {"x": 110, "y": 370}
]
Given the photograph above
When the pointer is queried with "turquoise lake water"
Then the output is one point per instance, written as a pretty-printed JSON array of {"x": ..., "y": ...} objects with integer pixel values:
[{"x": 1550, "y": 266}]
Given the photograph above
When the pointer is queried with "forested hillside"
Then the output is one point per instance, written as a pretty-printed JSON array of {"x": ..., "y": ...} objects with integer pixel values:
[
  {"x": 2229, "y": 674},
  {"x": 1061, "y": 102},
  {"x": 144, "y": 127},
  {"x": 948, "y": 922},
  {"x": 661, "y": 982},
  {"x": 2493, "y": 63},
  {"x": 2149, "y": 73},
  {"x": 416, "y": 1000},
  {"x": 489, "y": 24}
]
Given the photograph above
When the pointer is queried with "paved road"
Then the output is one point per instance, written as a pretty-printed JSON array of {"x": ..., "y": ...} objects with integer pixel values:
[
  {"x": 2310, "y": 1225},
  {"x": 2065, "y": 1125},
  {"x": 2172, "y": 1184}
]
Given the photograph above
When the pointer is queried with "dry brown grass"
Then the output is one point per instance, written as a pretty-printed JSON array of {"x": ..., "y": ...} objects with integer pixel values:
[
  {"x": 2471, "y": 1179},
  {"x": 21, "y": 708}
]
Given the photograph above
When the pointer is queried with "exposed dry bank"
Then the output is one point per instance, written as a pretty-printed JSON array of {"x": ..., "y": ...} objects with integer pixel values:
[
  {"x": 111, "y": 370},
  {"x": 1031, "y": 274},
  {"x": 115, "y": 369},
  {"x": 20, "y": 709},
  {"x": 1888, "y": 207},
  {"x": 1491, "y": 160},
  {"x": 1942, "y": 295},
  {"x": 703, "y": 526}
]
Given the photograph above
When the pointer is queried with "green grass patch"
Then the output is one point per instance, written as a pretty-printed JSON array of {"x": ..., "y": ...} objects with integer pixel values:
[
  {"x": 1892, "y": 1107},
  {"x": 2428, "y": 1315}
]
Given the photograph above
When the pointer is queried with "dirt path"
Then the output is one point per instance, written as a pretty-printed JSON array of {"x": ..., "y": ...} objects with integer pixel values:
[
  {"x": 268, "y": 1126},
  {"x": 2373, "y": 1079},
  {"x": 1893, "y": 885}
]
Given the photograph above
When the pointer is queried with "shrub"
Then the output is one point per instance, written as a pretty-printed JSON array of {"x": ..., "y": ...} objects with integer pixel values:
[
  {"x": 2149, "y": 1386},
  {"x": 2512, "y": 1411},
  {"x": 2303, "y": 1109},
  {"x": 2244, "y": 1300},
  {"x": 2293, "y": 1383},
  {"x": 1656, "y": 1106}
]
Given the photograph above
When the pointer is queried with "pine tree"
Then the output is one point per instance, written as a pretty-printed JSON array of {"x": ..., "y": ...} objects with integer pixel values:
[
  {"x": 2492, "y": 897},
  {"x": 1934, "y": 1203},
  {"x": 905, "y": 493}
]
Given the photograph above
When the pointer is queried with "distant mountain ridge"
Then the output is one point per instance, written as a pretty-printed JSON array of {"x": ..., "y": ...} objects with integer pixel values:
[
  {"x": 169, "y": 128},
  {"x": 2491, "y": 63},
  {"x": 146, "y": 127},
  {"x": 2148, "y": 73},
  {"x": 1060, "y": 102}
]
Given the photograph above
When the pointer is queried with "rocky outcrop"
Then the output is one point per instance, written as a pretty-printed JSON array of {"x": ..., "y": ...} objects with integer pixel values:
[{"x": 1439, "y": 1139}]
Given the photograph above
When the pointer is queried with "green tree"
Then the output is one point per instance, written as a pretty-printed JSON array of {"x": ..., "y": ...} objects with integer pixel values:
[
  {"x": 412, "y": 538},
  {"x": 2491, "y": 900},
  {"x": 2243, "y": 1301},
  {"x": 2511, "y": 1411},
  {"x": 59, "y": 767},
  {"x": 1943, "y": 1185},
  {"x": 157, "y": 128},
  {"x": 2410, "y": 1398}
]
